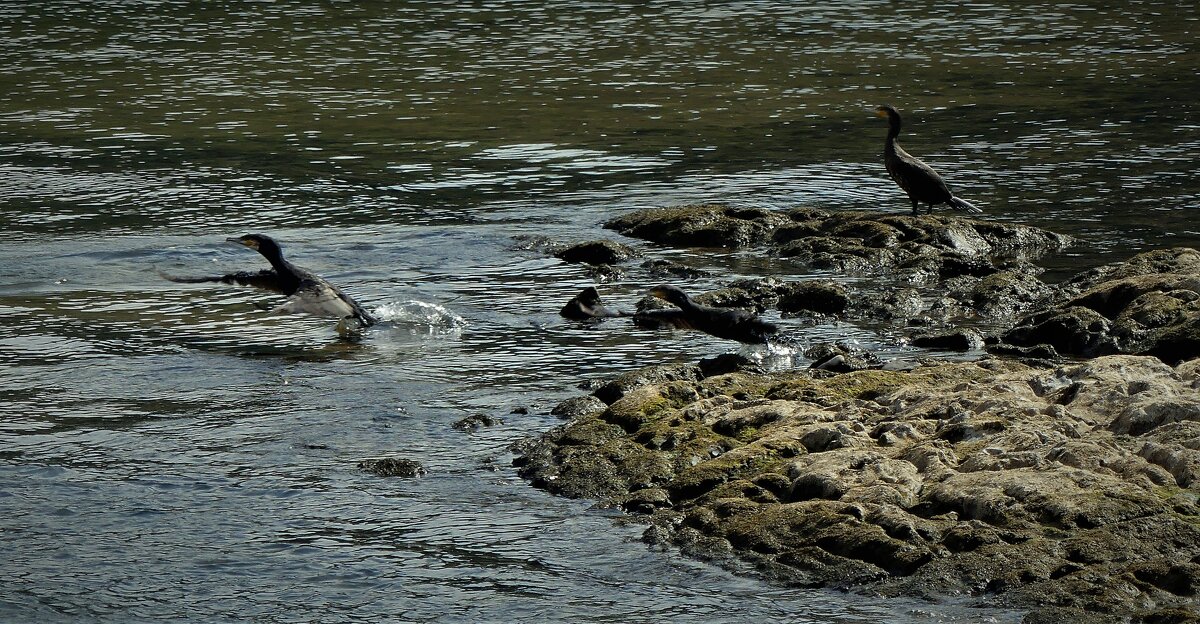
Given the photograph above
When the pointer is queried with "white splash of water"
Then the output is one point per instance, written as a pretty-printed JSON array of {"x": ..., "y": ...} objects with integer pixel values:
[{"x": 415, "y": 312}]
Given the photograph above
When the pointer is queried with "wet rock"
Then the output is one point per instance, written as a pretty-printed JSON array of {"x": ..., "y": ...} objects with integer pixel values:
[
  {"x": 984, "y": 265},
  {"x": 604, "y": 273},
  {"x": 669, "y": 269},
  {"x": 738, "y": 297},
  {"x": 392, "y": 467},
  {"x": 1178, "y": 261},
  {"x": 1135, "y": 311},
  {"x": 1008, "y": 293},
  {"x": 820, "y": 296},
  {"x": 728, "y": 363},
  {"x": 1066, "y": 490},
  {"x": 707, "y": 225},
  {"x": 646, "y": 500},
  {"x": 841, "y": 358},
  {"x": 891, "y": 304},
  {"x": 475, "y": 422},
  {"x": 578, "y": 407},
  {"x": 1073, "y": 330},
  {"x": 597, "y": 253},
  {"x": 614, "y": 390},
  {"x": 957, "y": 340}
]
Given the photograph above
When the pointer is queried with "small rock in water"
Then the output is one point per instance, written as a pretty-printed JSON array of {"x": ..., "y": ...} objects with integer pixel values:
[
  {"x": 597, "y": 253},
  {"x": 842, "y": 358},
  {"x": 668, "y": 268},
  {"x": 958, "y": 340},
  {"x": 475, "y": 421},
  {"x": 392, "y": 467}
]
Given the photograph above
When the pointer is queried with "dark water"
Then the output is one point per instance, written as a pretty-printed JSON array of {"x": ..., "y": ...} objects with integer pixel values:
[{"x": 168, "y": 452}]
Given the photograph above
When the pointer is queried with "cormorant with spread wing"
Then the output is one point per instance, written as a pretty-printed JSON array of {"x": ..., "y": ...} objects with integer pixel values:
[{"x": 306, "y": 292}]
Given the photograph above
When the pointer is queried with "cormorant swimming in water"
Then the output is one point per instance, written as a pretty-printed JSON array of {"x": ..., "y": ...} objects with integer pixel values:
[
  {"x": 729, "y": 323},
  {"x": 918, "y": 179},
  {"x": 307, "y": 292}
]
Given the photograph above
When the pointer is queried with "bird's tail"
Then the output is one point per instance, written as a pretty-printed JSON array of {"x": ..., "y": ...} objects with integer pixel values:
[{"x": 959, "y": 203}]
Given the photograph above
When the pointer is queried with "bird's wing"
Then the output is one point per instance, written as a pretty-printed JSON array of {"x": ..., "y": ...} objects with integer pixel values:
[
  {"x": 266, "y": 279},
  {"x": 666, "y": 317},
  {"x": 319, "y": 298},
  {"x": 915, "y": 171}
]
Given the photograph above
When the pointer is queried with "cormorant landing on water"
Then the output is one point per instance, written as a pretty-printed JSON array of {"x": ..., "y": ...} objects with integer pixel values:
[
  {"x": 307, "y": 292},
  {"x": 918, "y": 179}
]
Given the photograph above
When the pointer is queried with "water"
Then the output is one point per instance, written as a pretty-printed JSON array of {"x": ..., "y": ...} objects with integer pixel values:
[{"x": 169, "y": 452}]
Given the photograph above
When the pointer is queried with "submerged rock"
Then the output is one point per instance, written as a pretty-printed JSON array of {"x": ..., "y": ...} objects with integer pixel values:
[
  {"x": 474, "y": 422},
  {"x": 392, "y": 467},
  {"x": 1070, "y": 490}
]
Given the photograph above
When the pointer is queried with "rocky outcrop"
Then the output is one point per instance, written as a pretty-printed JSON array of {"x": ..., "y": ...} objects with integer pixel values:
[
  {"x": 939, "y": 269},
  {"x": 1071, "y": 490},
  {"x": 1147, "y": 305},
  {"x": 944, "y": 274},
  {"x": 926, "y": 247}
]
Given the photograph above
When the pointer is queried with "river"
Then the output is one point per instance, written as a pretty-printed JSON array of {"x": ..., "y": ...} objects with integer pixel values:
[{"x": 170, "y": 452}]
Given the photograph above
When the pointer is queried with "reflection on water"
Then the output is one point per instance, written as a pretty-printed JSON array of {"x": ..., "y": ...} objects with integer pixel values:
[{"x": 171, "y": 449}]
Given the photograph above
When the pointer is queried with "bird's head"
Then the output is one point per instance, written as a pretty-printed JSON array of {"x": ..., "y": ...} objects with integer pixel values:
[
  {"x": 261, "y": 243},
  {"x": 671, "y": 294}
]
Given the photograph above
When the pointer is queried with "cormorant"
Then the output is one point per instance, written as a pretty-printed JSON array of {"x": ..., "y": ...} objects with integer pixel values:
[
  {"x": 918, "y": 179},
  {"x": 586, "y": 305},
  {"x": 728, "y": 323},
  {"x": 307, "y": 292}
]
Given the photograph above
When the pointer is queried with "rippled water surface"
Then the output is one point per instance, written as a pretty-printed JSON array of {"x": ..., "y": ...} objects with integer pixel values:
[{"x": 171, "y": 452}]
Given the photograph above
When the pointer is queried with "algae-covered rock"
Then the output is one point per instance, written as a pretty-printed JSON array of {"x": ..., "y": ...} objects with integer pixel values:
[
  {"x": 988, "y": 262},
  {"x": 1068, "y": 490},
  {"x": 706, "y": 225},
  {"x": 1126, "y": 307}
]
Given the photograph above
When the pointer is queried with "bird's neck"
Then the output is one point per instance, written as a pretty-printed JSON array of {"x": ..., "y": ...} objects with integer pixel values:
[
  {"x": 893, "y": 132},
  {"x": 275, "y": 257}
]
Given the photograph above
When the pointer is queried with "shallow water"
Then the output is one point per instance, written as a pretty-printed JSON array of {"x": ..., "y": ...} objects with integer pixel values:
[{"x": 171, "y": 452}]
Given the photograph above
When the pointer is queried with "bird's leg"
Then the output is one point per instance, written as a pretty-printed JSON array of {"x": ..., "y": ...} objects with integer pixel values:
[{"x": 916, "y": 209}]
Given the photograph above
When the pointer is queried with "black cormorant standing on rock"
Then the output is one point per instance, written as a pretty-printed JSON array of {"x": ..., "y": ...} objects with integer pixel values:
[
  {"x": 306, "y": 292},
  {"x": 918, "y": 179}
]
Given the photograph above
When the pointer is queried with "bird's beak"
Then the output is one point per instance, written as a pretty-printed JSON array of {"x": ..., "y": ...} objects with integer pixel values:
[
  {"x": 879, "y": 112},
  {"x": 244, "y": 242},
  {"x": 657, "y": 292}
]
